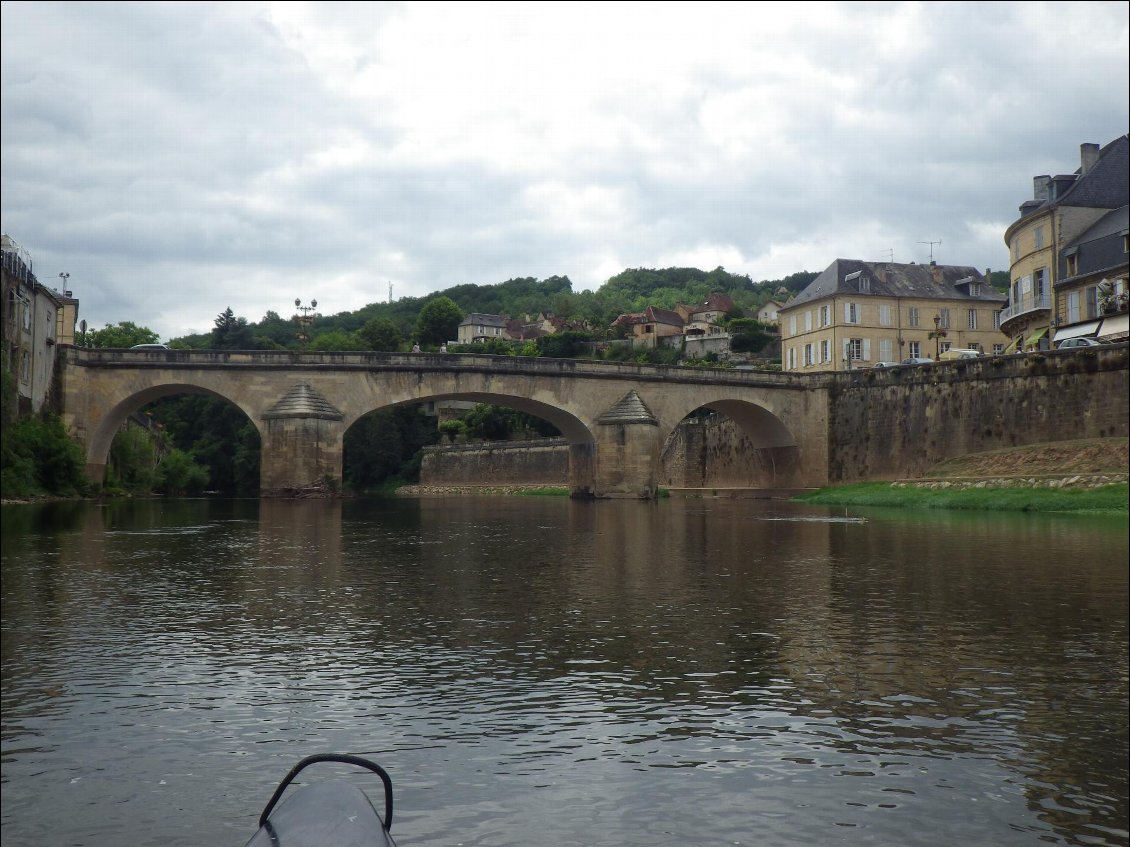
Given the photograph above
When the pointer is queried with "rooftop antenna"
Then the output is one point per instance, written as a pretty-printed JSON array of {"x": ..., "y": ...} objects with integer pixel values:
[
  {"x": 931, "y": 243},
  {"x": 891, "y": 257}
]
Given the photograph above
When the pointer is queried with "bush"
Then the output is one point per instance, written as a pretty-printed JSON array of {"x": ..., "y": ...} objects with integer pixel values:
[{"x": 40, "y": 458}]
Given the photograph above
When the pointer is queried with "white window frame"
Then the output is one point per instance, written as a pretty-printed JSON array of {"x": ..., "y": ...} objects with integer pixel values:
[{"x": 972, "y": 319}]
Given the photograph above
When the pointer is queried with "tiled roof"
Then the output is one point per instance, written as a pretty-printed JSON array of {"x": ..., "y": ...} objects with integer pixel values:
[{"x": 887, "y": 279}]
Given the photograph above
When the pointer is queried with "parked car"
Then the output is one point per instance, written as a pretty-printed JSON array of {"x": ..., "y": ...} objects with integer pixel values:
[
  {"x": 885, "y": 365},
  {"x": 1081, "y": 341},
  {"x": 150, "y": 347},
  {"x": 959, "y": 353},
  {"x": 917, "y": 360}
]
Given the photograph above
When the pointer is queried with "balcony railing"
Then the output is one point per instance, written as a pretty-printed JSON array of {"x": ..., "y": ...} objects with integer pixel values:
[{"x": 1027, "y": 304}]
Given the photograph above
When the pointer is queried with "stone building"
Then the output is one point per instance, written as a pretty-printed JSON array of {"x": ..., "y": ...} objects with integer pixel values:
[
  {"x": 856, "y": 314},
  {"x": 36, "y": 321},
  {"x": 1046, "y": 245}
]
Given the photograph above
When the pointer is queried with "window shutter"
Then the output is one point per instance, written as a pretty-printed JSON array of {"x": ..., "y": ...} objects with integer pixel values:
[{"x": 867, "y": 349}]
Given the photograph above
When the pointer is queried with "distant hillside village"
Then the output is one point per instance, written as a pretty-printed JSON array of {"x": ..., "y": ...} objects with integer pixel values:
[{"x": 1067, "y": 280}]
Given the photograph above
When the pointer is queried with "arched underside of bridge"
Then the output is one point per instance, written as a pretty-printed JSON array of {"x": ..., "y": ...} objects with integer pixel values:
[
  {"x": 101, "y": 438},
  {"x": 743, "y": 446},
  {"x": 582, "y": 444}
]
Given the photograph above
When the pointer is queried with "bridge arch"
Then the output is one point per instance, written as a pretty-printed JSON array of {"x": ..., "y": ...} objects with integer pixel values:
[
  {"x": 582, "y": 443},
  {"x": 101, "y": 437},
  {"x": 741, "y": 444}
]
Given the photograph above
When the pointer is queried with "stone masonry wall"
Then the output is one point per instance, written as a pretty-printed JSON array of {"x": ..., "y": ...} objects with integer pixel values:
[
  {"x": 538, "y": 462},
  {"x": 896, "y": 423}
]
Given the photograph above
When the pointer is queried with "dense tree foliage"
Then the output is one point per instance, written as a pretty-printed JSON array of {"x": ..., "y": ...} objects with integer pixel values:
[
  {"x": 380, "y": 334},
  {"x": 37, "y": 456},
  {"x": 121, "y": 335},
  {"x": 438, "y": 321},
  {"x": 385, "y": 446},
  {"x": 231, "y": 332}
]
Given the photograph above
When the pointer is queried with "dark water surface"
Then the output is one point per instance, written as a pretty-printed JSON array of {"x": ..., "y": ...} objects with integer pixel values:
[{"x": 536, "y": 671}]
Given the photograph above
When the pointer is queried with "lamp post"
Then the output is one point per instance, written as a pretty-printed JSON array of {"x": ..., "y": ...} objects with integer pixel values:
[
  {"x": 937, "y": 337},
  {"x": 304, "y": 320}
]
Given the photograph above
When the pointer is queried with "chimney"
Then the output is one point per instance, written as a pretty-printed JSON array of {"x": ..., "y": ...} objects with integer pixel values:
[
  {"x": 936, "y": 273},
  {"x": 1088, "y": 156},
  {"x": 1040, "y": 186}
]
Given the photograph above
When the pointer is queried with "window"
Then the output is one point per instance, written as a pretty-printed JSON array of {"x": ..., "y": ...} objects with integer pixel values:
[
  {"x": 1072, "y": 307},
  {"x": 27, "y": 316},
  {"x": 855, "y": 349},
  {"x": 792, "y": 324},
  {"x": 1091, "y": 293},
  {"x": 944, "y": 318},
  {"x": 808, "y": 321},
  {"x": 1038, "y": 235},
  {"x": 808, "y": 355},
  {"x": 865, "y": 285},
  {"x": 943, "y": 346},
  {"x": 1072, "y": 265},
  {"x": 884, "y": 314},
  {"x": 914, "y": 349},
  {"x": 996, "y": 319},
  {"x": 971, "y": 320},
  {"x": 825, "y": 316},
  {"x": 912, "y": 316},
  {"x": 998, "y": 349},
  {"x": 886, "y": 350},
  {"x": 1040, "y": 282},
  {"x": 25, "y": 366},
  {"x": 974, "y": 289},
  {"x": 792, "y": 358},
  {"x": 851, "y": 313}
]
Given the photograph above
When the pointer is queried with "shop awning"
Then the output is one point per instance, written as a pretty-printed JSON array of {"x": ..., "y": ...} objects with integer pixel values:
[
  {"x": 1116, "y": 327},
  {"x": 1011, "y": 348},
  {"x": 1035, "y": 337},
  {"x": 1077, "y": 331}
]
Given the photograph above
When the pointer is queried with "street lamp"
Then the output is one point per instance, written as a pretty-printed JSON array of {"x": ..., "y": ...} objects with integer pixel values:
[
  {"x": 937, "y": 337},
  {"x": 304, "y": 320}
]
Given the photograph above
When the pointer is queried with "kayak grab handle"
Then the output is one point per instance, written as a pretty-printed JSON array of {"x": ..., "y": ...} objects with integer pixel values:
[{"x": 334, "y": 757}]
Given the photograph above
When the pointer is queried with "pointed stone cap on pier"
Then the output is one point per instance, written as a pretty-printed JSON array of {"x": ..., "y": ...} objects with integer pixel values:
[
  {"x": 630, "y": 410},
  {"x": 303, "y": 401}
]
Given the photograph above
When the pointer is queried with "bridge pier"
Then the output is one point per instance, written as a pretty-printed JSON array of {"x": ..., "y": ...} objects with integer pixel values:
[
  {"x": 627, "y": 451},
  {"x": 302, "y": 443}
]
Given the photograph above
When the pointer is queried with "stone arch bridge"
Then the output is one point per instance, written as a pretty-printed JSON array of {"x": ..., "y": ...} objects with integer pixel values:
[
  {"x": 814, "y": 429},
  {"x": 615, "y": 416}
]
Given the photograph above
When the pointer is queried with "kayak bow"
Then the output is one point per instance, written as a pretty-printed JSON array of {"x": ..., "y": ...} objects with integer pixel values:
[{"x": 327, "y": 814}]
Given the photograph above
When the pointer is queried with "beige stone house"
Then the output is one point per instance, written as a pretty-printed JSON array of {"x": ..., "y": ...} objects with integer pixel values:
[
  {"x": 1044, "y": 271},
  {"x": 858, "y": 313}
]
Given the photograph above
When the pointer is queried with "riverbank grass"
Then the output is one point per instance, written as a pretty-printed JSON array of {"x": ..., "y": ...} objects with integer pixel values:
[{"x": 1108, "y": 499}]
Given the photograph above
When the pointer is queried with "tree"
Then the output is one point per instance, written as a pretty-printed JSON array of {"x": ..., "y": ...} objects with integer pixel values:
[
  {"x": 231, "y": 333},
  {"x": 380, "y": 334},
  {"x": 121, "y": 335},
  {"x": 336, "y": 340},
  {"x": 438, "y": 321}
]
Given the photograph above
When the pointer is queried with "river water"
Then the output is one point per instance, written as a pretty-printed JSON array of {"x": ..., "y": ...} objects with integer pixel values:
[{"x": 539, "y": 671}]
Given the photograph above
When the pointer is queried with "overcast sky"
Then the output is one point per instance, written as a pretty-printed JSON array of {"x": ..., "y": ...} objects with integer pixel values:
[{"x": 180, "y": 158}]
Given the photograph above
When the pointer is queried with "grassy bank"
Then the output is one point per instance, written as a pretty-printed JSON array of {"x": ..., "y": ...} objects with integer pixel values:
[{"x": 1111, "y": 499}]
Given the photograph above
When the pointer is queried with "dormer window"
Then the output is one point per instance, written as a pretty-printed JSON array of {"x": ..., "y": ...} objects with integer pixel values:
[{"x": 862, "y": 283}]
